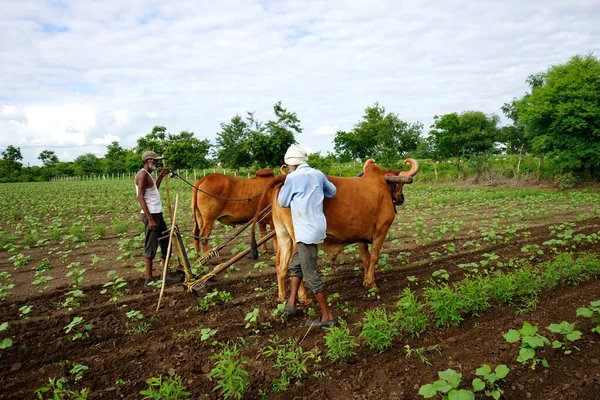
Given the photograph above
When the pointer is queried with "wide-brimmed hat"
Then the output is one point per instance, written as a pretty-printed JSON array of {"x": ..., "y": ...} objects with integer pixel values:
[{"x": 150, "y": 155}]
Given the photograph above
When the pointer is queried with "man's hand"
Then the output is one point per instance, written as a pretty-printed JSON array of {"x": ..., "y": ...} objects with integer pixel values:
[
  {"x": 165, "y": 171},
  {"x": 152, "y": 224}
]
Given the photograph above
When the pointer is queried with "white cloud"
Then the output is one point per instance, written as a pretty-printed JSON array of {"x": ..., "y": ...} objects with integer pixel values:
[{"x": 78, "y": 76}]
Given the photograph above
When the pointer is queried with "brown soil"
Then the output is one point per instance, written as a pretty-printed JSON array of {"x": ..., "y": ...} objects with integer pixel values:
[{"x": 40, "y": 342}]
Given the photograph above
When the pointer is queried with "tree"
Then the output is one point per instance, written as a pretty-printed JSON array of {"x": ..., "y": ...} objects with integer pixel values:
[
  {"x": 155, "y": 141},
  {"x": 185, "y": 151},
  {"x": 87, "y": 164},
  {"x": 10, "y": 165},
  {"x": 471, "y": 133},
  {"x": 48, "y": 158},
  {"x": 269, "y": 143},
  {"x": 561, "y": 114},
  {"x": 513, "y": 136},
  {"x": 384, "y": 137},
  {"x": 233, "y": 147},
  {"x": 114, "y": 159}
]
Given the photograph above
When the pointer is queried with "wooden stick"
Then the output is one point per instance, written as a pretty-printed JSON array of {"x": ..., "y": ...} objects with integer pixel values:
[
  {"x": 164, "y": 274},
  {"x": 177, "y": 247}
]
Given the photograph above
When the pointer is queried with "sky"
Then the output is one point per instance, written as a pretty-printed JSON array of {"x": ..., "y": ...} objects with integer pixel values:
[{"x": 78, "y": 75}]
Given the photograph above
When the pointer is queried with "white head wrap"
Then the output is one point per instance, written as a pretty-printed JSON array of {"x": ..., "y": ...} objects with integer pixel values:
[{"x": 295, "y": 155}]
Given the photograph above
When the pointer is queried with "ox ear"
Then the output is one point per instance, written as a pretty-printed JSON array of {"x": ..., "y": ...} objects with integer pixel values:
[
  {"x": 403, "y": 179},
  {"x": 282, "y": 169}
]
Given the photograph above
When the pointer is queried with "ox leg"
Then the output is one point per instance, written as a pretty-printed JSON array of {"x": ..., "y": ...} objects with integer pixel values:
[
  {"x": 365, "y": 256},
  {"x": 263, "y": 232},
  {"x": 282, "y": 262},
  {"x": 369, "y": 280},
  {"x": 205, "y": 231}
]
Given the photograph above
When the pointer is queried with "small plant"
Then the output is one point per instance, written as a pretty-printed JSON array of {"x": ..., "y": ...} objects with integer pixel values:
[
  {"x": 378, "y": 331},
  {"x": 260, "y": 265},
  {"x": 41, "y": 280},
  {"x": 210, "y": 299},
  {"x": 490, "y": 380},
  {"x": 81, "y": 331},
  {"x": 593, "y": 312},
  {"x": 290, "y": 359},
  {"x": 440, "y": 275},
  {"x": 76, "y": 275},
  {"x": 72, "y": 299},
  {"x": 251, "y": 318},
  {"x": 5, "y": 284},
  {"x": 59, "y": 390},
  {"x": 420, "y": 352},
  {"x": 410, "y": 315},
  {"x": 165, "y": 388},
  {"x": 20, "y": 260},
  {"x": 44, "y": 266},
  {"x": 116, "y": 285},
  {"x": 569, "y": 333},
  {"x": 373, "y": 293},
  {"x": 340, "y": 342},
  {"x": 76, "y": 370},
  {"x": 448, "y": 385},
  {"x": 136, "y": 324},
  {"x": 530, "y": 341},
  {"x": 24, "y": 311},
  {"x": 232, "y": 378},
  {"x": 6, "y": 342}
]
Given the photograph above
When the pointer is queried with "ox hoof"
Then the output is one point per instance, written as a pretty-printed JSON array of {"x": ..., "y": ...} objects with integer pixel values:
[
  {"x": 368, "y": 285},
  {"x": 305, "y": 302}
]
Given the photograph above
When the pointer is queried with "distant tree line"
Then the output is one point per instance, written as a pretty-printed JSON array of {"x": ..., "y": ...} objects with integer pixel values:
[{"x": 557, "y": 121}]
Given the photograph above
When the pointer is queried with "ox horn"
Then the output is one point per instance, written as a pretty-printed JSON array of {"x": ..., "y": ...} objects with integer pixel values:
[
  {"x": 414, "y": 167},
  {"x": 399, "y": 179}
]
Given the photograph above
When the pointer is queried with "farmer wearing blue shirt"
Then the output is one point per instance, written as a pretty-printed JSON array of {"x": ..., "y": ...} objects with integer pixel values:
[{"x": 303, "y": 192}]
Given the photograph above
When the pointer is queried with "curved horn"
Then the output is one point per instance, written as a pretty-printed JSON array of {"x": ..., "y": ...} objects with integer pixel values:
[
  {"x": 369, "y": 161},
  {"x": 399, "y": 179},
  {"x": 414, "y": 167},
  {"x": 282, "y": 170}
]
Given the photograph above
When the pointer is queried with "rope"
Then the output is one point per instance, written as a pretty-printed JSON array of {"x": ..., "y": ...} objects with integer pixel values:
[{"x": 249, "y": 199}]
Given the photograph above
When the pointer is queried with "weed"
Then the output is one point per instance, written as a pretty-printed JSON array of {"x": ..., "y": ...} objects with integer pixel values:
[
  {"x": 446, "y": 305},
  {"x": 378, "y": 331},
  {"x": 232, "y": 378},
  {"x": 290, "y": 359},
  {"x": 410, "y": 316},
  {"x": 420, "y": 352},
  {"x": 340, "y": 342},
  {"x": 165, "y": 388},
  {"x": 59, "y": 390}
]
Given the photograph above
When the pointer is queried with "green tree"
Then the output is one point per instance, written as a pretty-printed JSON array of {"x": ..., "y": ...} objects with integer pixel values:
[
  {"x": 269, "y": 143},
  {"x": 384, "y": 137},
  {"x": 185, "y": 151},
  {"x": 233, "y": 146},
  {"x": 155, "y": 141},
  {"x": 10, "y": 165},
  {"x": 513, "y": 136},
  {"x": 561, "y": 114},
  {"x": 48, "y": 158},
  {"x": 87, "y": 164},
  {"x": 114, "y": 159},
  {"x": 471, "y": 133},
  {"x": 64, "y": 169}
]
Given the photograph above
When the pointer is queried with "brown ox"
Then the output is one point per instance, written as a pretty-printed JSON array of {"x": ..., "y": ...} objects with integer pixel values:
[
  {"x": 227, "y": 199},
  {"x": 361, "y": 212}
]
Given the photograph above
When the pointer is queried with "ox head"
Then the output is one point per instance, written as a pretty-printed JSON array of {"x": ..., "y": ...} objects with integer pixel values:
[{"x": 397, "y": 179}]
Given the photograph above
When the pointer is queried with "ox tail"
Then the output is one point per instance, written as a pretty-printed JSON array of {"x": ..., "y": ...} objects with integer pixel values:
[{"x": 263, "y": 206}]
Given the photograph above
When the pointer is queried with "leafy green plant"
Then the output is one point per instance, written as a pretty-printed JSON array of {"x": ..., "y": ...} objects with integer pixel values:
[
  {"x": 489, "y": 380},
  {"x": 165, "y": 388},
  {"x": 116, "y": 286},
  {"x": 339, "y": 342},
  {"x": 378, "y": 331},
  {"x": 24, "y": 311},
  {"x": 6, "y": 342},
  {"x": 251, "y": 319},
  {"x": 290, "y": 359},
  {"x": 410, "y": 315},
  {"x": 76, "y": 275},
  {"x": 593, "y": 312},
  {"x": 5, "y": 284},
  {"x": 210, "y": 299},
  {"x": 19, "y": 260},
  {"x": 446, "y": 305},
  {"x": 58, "y": 389},
  {"x": 531, "y": 341},
  {"x": 81, "y": 331},
  {"x": 420, "y": 352},
  {"x": 570, "y": 335},
  {"x": 447, "y": 385},
  {"x": 232, "y": 378},
  {"x": 41, "y": 280}
]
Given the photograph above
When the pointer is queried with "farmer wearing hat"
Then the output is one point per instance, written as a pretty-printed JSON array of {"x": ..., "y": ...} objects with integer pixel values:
[
  {"x": 151, "y": 215},
  {"x": 303, "y": 191}
]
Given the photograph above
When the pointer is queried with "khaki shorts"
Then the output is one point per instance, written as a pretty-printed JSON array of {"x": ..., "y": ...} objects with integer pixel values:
[{"x": 304, "y": 265}]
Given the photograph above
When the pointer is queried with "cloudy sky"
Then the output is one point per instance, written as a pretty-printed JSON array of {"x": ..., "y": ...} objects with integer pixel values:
[{"x": 78, "y": 75}]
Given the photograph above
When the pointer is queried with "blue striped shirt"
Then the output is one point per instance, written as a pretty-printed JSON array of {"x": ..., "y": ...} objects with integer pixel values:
[{"x": 304, "y": 191}]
